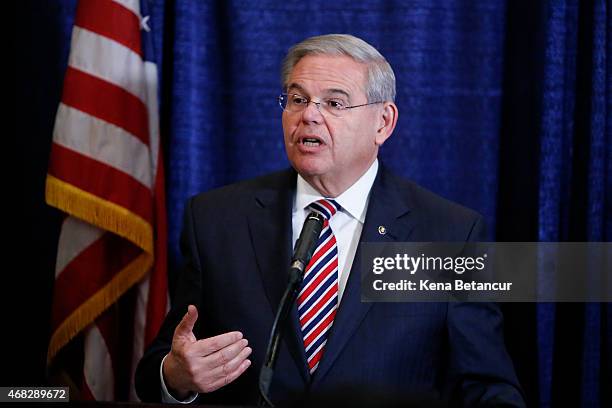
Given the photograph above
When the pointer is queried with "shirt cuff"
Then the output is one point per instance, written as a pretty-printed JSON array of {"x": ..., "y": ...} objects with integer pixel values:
[{"x": 165, "y": 394}]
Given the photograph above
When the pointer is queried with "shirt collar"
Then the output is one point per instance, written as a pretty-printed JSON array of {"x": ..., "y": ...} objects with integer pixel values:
[{"x": 353, "y": 201}]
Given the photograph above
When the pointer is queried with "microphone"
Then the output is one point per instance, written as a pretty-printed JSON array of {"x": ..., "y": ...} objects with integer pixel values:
[
  {"x": 305, "y": 245},
  {"x": 304, "y": 248}
]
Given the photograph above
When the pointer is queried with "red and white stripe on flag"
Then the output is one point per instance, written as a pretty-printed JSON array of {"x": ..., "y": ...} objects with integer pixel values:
[{"x": 106, "y": 173}]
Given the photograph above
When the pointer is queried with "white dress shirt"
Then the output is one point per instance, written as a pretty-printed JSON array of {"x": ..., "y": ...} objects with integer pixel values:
[{"x": 346, "y": 225}]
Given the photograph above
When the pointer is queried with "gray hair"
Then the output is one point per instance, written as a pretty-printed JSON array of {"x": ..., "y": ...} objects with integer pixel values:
[{"x": 380, "y": 84}]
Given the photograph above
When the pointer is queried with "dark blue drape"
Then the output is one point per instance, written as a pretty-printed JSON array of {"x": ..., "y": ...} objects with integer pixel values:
[
  {"x": 505, "y": 107},
  {"x": 575, "y": 175}
]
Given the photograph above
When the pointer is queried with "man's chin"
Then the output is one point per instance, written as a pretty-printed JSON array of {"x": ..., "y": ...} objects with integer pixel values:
[
  {"x": 310, "y": 166},
  {"x": 307, "y": 174}
]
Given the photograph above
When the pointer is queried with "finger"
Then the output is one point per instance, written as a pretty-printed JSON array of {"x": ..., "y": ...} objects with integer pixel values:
[
  {"x": 220, "y": 357},
  {"x": 185, "y": 327},
  {"x": 226, "y": 354},
  {"x": 231, "y": 366},
  {"x": 211, "y": 345},
  {"x": 215, "y": 385}
]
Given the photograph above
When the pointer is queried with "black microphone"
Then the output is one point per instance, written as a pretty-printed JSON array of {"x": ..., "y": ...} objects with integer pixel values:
[
  {"x": 305, "y": 245},
  {"x": 304, "y": 248}
]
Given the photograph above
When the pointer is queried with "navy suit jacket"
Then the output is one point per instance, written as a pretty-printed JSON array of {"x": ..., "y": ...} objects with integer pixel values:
[{"x": 237, "y": 243}]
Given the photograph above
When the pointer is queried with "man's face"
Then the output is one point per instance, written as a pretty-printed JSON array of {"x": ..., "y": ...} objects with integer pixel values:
[{"x": 345, "y": 146}]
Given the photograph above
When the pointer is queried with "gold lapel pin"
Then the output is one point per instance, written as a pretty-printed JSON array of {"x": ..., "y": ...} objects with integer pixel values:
[{"x": 382, "y": 230}]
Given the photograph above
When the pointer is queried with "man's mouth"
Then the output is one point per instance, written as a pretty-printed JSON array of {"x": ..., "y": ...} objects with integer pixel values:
[{"x": 310, "y": 141}]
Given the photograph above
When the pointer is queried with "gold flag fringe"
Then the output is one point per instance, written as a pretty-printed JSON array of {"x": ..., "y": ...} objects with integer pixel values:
[
  {"x": 99, "y": 212},
  {"x": 86, "y": 313}
]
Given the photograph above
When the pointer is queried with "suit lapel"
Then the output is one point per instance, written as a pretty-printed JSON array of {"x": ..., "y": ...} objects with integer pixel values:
[
  {"x": 270, "y": 231},
  {"x": 387, "y": 208}
]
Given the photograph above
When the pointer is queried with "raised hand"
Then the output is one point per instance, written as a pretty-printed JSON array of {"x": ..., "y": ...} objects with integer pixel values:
[{"x": 203, "y": 365}]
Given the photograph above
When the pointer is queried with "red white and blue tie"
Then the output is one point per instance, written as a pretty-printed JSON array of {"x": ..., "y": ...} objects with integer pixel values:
[{"x": 318, "y": 298}]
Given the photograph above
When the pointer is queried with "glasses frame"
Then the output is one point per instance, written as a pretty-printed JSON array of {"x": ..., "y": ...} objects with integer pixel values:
[{"x": 318, "y": 105}]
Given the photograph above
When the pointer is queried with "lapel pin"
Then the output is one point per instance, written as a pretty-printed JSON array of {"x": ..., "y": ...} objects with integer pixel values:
[{"x": 382, "y": 230}]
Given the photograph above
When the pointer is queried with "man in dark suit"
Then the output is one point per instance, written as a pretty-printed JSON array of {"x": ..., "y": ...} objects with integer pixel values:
[{"x": 237, "y": 242}]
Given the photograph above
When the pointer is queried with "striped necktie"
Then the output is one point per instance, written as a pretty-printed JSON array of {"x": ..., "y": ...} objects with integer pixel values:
[{"x": 318, "y": 298}]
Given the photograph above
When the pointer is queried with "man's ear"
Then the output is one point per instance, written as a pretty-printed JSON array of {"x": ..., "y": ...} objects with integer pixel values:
[{"x": 388, "y": 120}]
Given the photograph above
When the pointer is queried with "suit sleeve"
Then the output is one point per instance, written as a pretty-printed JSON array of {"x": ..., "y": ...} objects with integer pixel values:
[
  {"x": 481, "y": 371},
  {"x": 188, "y": 291}
]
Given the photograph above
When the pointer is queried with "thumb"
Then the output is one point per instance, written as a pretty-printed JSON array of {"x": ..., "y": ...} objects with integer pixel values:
[{"x": 185, "y": 327}]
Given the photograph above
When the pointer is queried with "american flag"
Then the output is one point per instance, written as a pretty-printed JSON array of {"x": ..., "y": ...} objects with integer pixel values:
[{"x": 106, "y": 174}]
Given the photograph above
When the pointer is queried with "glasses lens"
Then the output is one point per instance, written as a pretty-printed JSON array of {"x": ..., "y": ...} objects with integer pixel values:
[{"x": 293, "y": 102}]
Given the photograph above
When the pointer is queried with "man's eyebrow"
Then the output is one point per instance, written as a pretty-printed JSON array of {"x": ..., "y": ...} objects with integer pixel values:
[
  {"x": 299, "y": 88},
  {"x": 337, "y": 91},
  {"x": 296, "y": 87}
]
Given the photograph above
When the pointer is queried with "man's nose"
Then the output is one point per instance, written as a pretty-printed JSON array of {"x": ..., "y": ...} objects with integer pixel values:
[{"x": 312, "y": 113}]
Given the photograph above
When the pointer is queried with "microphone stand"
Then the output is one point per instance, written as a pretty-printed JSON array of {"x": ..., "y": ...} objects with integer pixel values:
[{"x": 304, "y": 249}]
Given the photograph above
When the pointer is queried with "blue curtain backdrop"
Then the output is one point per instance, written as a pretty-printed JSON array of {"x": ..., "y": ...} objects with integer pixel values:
[{"x": 505, "y": 107}]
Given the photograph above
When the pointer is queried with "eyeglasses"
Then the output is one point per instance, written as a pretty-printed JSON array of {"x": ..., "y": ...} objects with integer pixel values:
[{"x": 334, "y": 106}]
